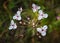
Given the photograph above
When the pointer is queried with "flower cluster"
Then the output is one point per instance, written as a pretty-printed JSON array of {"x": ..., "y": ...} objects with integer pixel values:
[
  {"x": 40, "y": 12},
  {"x": 17, "y": 16},
  {"x": 41, "y": 15}
]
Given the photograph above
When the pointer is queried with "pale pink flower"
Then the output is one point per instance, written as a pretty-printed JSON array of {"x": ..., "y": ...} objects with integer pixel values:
[
  {"x": 17, "y": 16},
  {"x": 12, "y": 25},
  {"x": 35, "y": 7},
  {"x": 58, "y": 17},
  {"x": 42, "y": 30},
  {"x": 42, "y": 15}
]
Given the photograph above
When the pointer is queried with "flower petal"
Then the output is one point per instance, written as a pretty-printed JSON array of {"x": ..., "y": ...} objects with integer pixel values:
[
  {"x": 45, "y": 27},
  {"x": 39, "y": 30},
  {"x": 40, "y": 17},
  {"x": 10, "y": 27},
  {"x": 18, "y": 12},
  {"x": 15, "y": 26},
  {"x": 33, "y": 5},
  {"x": 20, "y": 9},
  {"x": 45, "y": 15},
  {"x": 40, "y": 12},
  {"x": 43, "y": 33},
  {"x": 34, "y": 10},
  {"x": 19, "y": 18},
  {"x": 12, "y": 22},
  {"x": 38, "y": 7},
  {"x": 14, "y": 17}
]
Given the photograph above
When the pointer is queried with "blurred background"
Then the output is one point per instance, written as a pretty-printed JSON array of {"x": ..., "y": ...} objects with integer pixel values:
[{"x": 23, "y": 33}]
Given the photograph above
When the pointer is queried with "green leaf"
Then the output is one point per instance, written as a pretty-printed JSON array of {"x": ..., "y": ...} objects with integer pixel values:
[
  {"x": 50, "y": 29},
  {"x": 11, "y": 5}
]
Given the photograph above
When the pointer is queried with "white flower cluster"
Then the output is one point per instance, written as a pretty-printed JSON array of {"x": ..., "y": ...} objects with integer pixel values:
[
  {"x": 35, "y": 8},
  {"x": 40, "y": 12},
  {"x": 17, "y": 16},
  {"x": 41, "y": 15},
  {"x": 42, "y": 30}
]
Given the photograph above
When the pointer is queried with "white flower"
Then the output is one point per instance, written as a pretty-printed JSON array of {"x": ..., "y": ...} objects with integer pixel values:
[
  {"x": 18, "y": 12},
  {"x": 35, "y": 7},
  {"x": 12, "y": 25},
  {"x": 42, "y": 30},
  {"x": 42, "y": 15},
  {"x": 20, "y": 9},
  {"x": 17, "y": 17}
]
